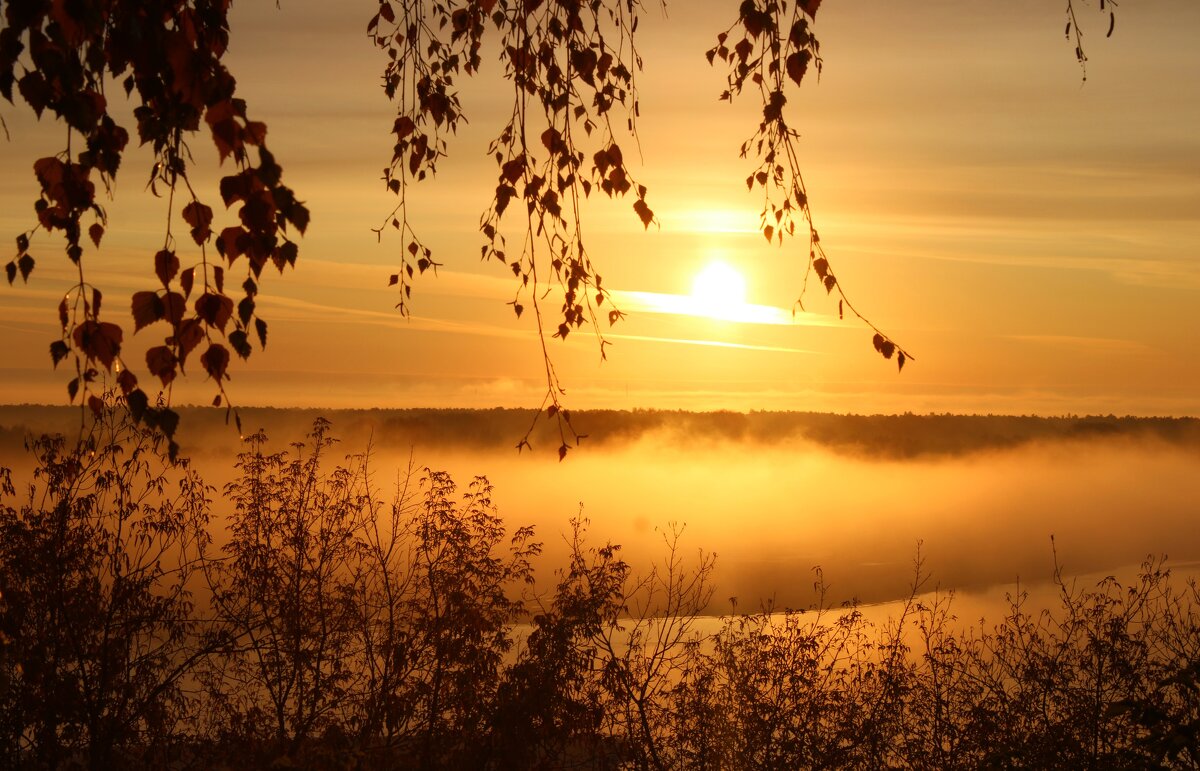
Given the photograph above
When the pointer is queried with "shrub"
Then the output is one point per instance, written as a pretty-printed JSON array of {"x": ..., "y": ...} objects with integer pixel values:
[{"x": 97, "y": 634}]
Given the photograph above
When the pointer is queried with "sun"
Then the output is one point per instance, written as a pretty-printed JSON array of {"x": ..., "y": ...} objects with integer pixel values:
[{"x": 718, "y": 291}]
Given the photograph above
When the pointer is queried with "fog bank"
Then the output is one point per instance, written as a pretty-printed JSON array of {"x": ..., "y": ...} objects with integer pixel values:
[{"x": 776, "y": 494}]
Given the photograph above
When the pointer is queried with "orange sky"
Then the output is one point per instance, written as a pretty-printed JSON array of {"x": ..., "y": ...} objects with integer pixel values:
[{"x": 1034, "y": 242}]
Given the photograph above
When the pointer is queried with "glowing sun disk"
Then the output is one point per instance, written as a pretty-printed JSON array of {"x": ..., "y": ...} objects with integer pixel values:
[{"x": 718, "y": 291}]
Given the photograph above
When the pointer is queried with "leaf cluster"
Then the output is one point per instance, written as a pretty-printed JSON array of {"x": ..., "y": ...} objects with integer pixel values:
[
  {"x": 775, "y": 50},
  {"x": 571, "y": 66},
  {"x": 167, "y": 58}
]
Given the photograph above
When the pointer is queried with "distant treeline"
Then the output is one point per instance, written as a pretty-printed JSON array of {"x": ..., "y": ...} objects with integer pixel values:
[{"x": 882, "y": 436}]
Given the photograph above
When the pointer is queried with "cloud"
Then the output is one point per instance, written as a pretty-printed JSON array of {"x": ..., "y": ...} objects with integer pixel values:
[
  {"x": 710, "y": 343},
  {"x": 741, "y": 313}
]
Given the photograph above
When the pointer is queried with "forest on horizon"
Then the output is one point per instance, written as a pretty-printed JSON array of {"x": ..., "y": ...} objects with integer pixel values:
[{"x": 877, "y": 436}]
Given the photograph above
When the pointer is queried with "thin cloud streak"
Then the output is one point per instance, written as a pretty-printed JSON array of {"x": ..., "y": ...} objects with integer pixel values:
[
  {"x": 711, "y": 343},
  {"x": 744, "y": 313},
  {"x": 331, "y": 313},
  {"x": 338, "y": 313}
]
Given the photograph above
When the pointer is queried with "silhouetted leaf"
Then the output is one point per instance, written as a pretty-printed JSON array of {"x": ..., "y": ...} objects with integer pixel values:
[
  {"x": 799, "y": 35},
  {"x": 58, "y": 351},
  {"x": 215, "y": 360},
  {"x": 199, "y": 217},
  {"x": 161, "y": 363},
  {"x": 750, "y": 17},
  {"x": 190, "y": 335},
  {"x": 600, "y": 160},
  {"x": 174, "y": 306},
  {"x": 99, "y": 341},
  {"x": 168, "y": 422},
  {"x": 643, "y": 212},
  {"x": 797, "y": 65},
  {"x": 504, "y": 194},
  {"x": 513, "y": 170},
  {"x": 288, "y": 252},
  {"x": 147, "y": 308},
  {"x": 166, "y": 265},
  {"x": 214, "y": 309},
  {"x": 240, "y": 343},
  {"x": 298, "y": 215},
  {"x": 234, "y": 188},
  {"x": 127, "y": 381},
  {"x": 773, "y": 109},
  {"x": 245, "y": 309},
  {"x": 231, "y": 243},
  {"x": 137, "y": 402}
]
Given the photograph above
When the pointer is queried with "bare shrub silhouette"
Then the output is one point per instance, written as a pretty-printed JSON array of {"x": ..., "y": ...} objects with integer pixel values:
[
  {"x": 283, "y": 596},
  {"x": 372, "y": 630},
  {"x": 1106, "y": 681},
  {"x": 647, "y": 654},
  {"x": 97, "y": 634},
  {"x": 552, "y": 706},
  {"x": 463, "y": 616},
  {"x": 794, "y": 689},
  {"x": 335, "y": 628}
]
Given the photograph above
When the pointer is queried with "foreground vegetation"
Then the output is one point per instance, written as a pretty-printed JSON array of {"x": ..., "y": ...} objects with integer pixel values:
[{"x": 329, "y": 624}]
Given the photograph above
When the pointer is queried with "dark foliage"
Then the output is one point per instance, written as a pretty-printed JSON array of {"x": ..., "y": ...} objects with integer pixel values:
[
  {"x": 334, "y": 629},
  {"x": 97, "y": 627}
]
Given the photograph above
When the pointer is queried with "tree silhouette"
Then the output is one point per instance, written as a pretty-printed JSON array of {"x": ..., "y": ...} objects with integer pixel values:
[
  {"x": 572, "y": 67},
  {"x": 98, "y": 629},
  {"x": 334, "y": 631}
]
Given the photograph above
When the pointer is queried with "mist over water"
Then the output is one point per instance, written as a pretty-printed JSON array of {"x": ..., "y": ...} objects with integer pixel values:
[
  {"x": 774, "y": 495},
  {"x": 773, "y": 513}
]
